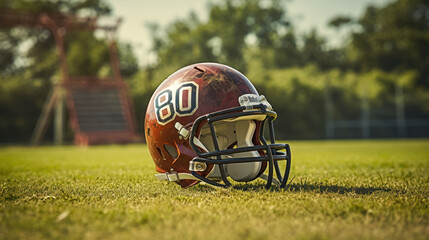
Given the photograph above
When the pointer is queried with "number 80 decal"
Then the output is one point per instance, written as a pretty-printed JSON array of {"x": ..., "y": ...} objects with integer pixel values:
[{"x": 180, "y": 101}]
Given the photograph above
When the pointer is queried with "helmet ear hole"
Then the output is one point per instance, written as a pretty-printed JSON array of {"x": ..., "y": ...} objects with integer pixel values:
[
  {"x": 160, "y": 153},
  {"x": 172, "y": 151}
]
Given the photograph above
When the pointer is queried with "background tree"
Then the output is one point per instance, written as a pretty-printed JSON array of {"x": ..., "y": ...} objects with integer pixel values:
[
  {"x": 394, "y": 37},
  {"x": 385, "y": 52},
  {"x": 259, "y": 40},
  {"x": 26, "y": 77},
  {"x": 224, "y": 37}
]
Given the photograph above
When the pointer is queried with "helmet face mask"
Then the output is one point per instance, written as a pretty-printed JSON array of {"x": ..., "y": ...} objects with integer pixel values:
[{"x": 206, "y": 123}]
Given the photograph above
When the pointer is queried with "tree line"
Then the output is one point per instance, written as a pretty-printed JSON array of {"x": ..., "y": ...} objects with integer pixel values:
[{"x": 380, "y": 73}]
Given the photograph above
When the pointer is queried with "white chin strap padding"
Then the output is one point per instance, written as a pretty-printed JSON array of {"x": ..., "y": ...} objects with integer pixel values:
[{"x": 243, "y": 172}]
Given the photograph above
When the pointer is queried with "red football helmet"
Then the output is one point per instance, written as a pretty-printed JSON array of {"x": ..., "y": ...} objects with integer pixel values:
[{"x": 205, "y": 122}]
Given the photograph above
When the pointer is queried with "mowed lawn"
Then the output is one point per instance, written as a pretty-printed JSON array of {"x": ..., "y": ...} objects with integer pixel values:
[{"x": 376, "y": 189}]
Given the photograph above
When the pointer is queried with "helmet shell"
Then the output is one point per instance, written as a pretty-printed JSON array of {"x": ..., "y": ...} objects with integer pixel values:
[{"x": 187, "y": 94}]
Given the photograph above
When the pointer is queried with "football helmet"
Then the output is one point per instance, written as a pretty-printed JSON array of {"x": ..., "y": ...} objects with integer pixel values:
[{"x": 205, "y": 122}]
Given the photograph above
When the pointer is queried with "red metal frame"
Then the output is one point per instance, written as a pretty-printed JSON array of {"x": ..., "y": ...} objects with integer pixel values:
[
  {"x": 58, "y": 23},
  {"x": 99, "y": 137}
]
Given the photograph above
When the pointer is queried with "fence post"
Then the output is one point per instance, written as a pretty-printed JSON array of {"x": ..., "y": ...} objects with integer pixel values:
[
  {"x": 365, "y": 114},
  {"x": 329, "y": 128},
  {"x": 400, "y": 111}
]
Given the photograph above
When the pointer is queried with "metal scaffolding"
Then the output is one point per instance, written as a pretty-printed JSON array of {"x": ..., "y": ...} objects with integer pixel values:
[{"x": 100, "y": 109}]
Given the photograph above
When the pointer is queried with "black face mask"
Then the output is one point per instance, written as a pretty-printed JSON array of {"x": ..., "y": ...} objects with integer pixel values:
[{"x": 233, "y": 141}]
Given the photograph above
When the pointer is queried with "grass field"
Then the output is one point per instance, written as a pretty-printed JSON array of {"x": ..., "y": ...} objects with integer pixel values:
[{"x": 339, "y": 190}]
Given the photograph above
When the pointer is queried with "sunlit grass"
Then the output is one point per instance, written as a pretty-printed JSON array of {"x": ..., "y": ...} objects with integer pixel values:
[{"x": 338, "y": 189}]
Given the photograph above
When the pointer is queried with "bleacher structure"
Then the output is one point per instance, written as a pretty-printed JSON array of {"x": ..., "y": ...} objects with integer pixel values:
[{"x": 99, "y": 109}]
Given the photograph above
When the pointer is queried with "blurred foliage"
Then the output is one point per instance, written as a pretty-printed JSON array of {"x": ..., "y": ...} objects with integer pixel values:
[
  {"x": 29, "y": 62},
  {"x": 393, "y": 37},
  {"x": 296, "y": 72},
  {"x": 387, "y": 48},
  {"x": 86, "y": 55},
  {"x": 298, "y": 95}
]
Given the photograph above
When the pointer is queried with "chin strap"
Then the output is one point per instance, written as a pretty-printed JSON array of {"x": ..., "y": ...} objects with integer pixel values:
[
  {"x": 184, "y": 134},
  {"x": 174, "y": 176}
]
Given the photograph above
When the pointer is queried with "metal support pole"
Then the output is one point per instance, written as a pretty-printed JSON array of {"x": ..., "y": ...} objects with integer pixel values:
[
  {"x": 55, "y": 100},
  {"x": 43, "y": 121},
  {"x": 59, "y": 116}
]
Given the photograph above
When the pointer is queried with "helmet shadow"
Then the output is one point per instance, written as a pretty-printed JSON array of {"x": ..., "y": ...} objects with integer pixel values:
[
  {"x": 300, "y": 187},
  {"x": 322, "y": 188}
]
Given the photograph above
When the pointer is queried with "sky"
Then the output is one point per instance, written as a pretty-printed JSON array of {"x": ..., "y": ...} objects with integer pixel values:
[{"x": 305, "y": 15}]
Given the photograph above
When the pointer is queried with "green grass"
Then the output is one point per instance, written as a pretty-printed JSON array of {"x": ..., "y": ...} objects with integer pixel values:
[{"x": 339, "y": 190}]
